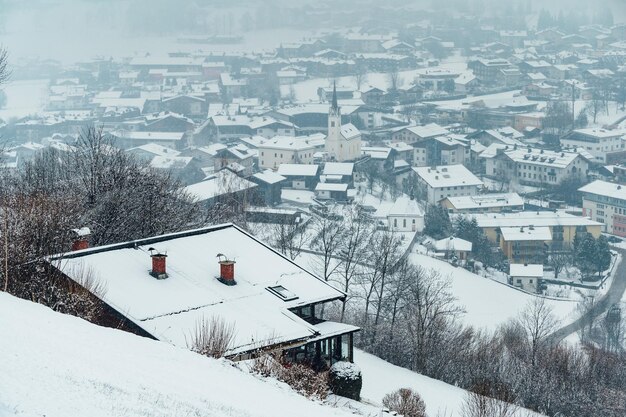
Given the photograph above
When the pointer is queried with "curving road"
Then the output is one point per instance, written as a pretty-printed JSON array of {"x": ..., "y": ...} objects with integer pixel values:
[{"x": 613, "y": 295}]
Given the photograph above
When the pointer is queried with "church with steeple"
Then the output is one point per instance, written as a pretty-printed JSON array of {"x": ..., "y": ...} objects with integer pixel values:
[{"x": 343, "y": 142}]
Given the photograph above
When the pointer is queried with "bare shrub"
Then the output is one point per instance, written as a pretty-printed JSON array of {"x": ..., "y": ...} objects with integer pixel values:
[
  {"x": 476, "y": 405},
  {"x": 300, "y": 377},
  {"x": 406, "y": 402},
  {"x": 212, "y": 337}
]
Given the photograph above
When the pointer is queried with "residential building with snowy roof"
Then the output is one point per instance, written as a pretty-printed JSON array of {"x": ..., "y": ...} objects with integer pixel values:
[
  {"x": 300, "y": 176},
  {"x": 536, "y": 167},
  {"x": 165, "y": 287},
  {"x": 406, "y": 215},
  {"x": 412, "y": 134},
  {"x": 447, "y": 181},
  {"x": 483, "y": 203},
  {"x": 605, "y": 202},
  {"x": 606, "y": 146},
  {"x": 287, "y": 150},
  {"x": 528, "y": 277}
]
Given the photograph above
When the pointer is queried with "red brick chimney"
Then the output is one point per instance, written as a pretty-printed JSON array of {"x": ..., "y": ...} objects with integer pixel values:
[
  {"x": 227, "y": 270},
  {"x": 159, "y": 270},
  {"x": 81, "y": 238}
]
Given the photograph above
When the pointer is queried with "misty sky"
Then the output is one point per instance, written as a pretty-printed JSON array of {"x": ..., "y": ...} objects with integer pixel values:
[{"x": 70, "y": 30}]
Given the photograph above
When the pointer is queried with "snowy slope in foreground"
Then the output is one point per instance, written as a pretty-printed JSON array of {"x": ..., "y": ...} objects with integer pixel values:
[
  {"x": 57, "y": 365},
  {"x": 441, "y": 399}
]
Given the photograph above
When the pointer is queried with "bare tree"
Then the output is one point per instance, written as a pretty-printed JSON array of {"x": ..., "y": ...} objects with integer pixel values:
[
  {"x": 476, "y": 405},
  {"x": 289, "y": 238},
  {"x": 559, "y": 261},
  {"x": 5, "y": 73},
  {"x": 327, "y": 237},
  {"x": 538, "y": 322},
  {"x": 352, "y": 250},
  {"x": 405, "y": 402},
  {"x": 360, "y": 76}
]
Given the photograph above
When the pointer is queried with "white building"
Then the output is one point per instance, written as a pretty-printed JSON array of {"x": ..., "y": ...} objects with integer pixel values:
[
  {"x": 603, "y": 144},
  {"x": 287, "y": 150},
  {"x": 605, "y": 202},
  {"x": 406, "y": 215},
  {"x": 526, "y": 276},
  {"x": 537, "y": 167},
  {"x": 484, "y": 203},
  {"x": 343, "y": 143},
  {"x": 447, "y": 181}
]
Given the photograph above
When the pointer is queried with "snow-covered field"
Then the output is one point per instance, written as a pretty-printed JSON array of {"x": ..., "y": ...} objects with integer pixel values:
[
  {"x": 57, "y": 365},
  {"x": 488, "y": 303}
]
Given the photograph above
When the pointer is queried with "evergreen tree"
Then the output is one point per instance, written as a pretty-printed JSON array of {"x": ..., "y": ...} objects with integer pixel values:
[
  {"x": 602, "y": 256},
  {"x": 437, "y": 222}
]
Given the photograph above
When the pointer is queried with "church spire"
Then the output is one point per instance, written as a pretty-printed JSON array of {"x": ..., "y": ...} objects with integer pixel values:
[{"x": 334, "y": 105}]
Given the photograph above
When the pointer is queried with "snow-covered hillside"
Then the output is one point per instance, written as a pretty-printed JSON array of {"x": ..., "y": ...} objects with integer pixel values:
[
  {"x": 489, "y": 303},
  {"x": 57, "y": 365}
]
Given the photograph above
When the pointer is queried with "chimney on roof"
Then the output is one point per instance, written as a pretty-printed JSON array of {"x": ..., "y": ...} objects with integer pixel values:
[
  {"x": 159, "y": 269},
  {"x": 81, "y": 238},
  {"x": 227, "y": 270}
]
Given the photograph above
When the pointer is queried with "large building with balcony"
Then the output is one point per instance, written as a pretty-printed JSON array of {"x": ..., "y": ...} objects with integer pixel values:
[{"x": 606, "y": 146}]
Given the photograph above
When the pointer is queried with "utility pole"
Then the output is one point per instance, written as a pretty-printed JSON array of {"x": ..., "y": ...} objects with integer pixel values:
[{"x": 573, "y": 104}]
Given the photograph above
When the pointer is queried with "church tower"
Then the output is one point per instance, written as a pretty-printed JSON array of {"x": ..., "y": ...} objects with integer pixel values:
[{"x": 333, "y": 138}]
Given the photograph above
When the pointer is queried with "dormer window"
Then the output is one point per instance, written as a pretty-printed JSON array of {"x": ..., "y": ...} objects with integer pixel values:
[{"x": 282, "y": 293}]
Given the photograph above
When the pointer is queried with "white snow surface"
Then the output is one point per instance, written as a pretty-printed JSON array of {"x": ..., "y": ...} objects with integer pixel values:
[
  {"x": 488, "y": 303},
  {"x": 58, "y": 365}
]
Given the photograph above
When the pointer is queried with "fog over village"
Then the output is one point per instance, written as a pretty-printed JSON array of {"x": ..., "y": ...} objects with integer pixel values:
[{"x": 313, "y": 208}]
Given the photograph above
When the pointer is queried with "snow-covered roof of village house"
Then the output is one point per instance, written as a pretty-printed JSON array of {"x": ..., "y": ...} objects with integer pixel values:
[
  {"x": 338, "y": 168},
  {"x": 331, "y": 186},
  {"x": 269, "y": 177},
  {"x": 605, "y": 189},
  {"x": 376, "y": 152},
  {"x": 526, "y": 270},
  {"x": 171, "y": 308},
  {"x": 546, "y": 158},
  {"x": 154, "y": 149},
  {"x": 486, "y": 200},
  {"x": 291, "y": 143},
  {"x": 447, "y": 176},
  {"x": 298, "y": 170},
  {"x": 404, "y": 206},
  {"x": 222, "y": 182},
  {"x": 453, "y": 244},
  {"x": 534, "y": 218},
  {"x": 150, "y": 136},
  {"x": 427, "y": 131},
  {"x": 530, "y": 233},
  {"x": 170, "y": 162}
]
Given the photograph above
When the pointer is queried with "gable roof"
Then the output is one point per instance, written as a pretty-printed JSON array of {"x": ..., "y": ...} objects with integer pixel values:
[{"x": 170, "y": 309}]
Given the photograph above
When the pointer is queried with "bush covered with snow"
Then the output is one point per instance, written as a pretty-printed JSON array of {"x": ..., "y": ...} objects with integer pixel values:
[{"x": 345, "y": 379}]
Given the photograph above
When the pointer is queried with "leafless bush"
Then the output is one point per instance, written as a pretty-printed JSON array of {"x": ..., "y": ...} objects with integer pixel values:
[
  {"x": 476, "y": 405},
  {"x": 300, "y": 377},
  {"x": 212, "y": 337},
  {"x": 406, "y": 402}
]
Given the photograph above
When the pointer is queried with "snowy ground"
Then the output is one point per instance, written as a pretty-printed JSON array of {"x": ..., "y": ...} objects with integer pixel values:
[
  {"x": 381, "y": 378},
  {"x": 488, "y": 303},
  {"x": 58, "y": 365}
]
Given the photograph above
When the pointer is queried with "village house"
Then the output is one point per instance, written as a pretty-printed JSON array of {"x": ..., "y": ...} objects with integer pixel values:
[
  {"x": 332, "y": 191},
  {"x": 441, "y": 150},
  {"x": 413, "y": 134},
  {"x": 162, "y": 287},
  {"x": 300, "y": 176},
  {"x": 525, "y": 244},
  {"x": 454, "y": 247},
  {"x": 440, "y": 182},
  {"x": 484, "y": 203},
  {"x": 238, "y": 159},
  {"x": 605, "y": 202},
  {"x": 287, "y": 150},
  {"x": 226, "y": 128},
  {"x": 606, "y": 146},
  {"x": 562, "y": 226},
  {"x": 405, "y": 215},
  {"x": 537, "y": 167},
  {"x": 222, "y": 187},
  {"x": 528, "y": 277},
  {"x": 269, "y": 185}
]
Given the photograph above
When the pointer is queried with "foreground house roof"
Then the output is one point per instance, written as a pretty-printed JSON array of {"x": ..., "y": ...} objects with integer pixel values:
[{"x": 170, "y": 309}]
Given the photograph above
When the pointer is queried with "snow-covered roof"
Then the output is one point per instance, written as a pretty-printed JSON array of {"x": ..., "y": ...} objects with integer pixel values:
[
  {"x": 486, "y": 201},
  {"x": 298, "y": 170},
  {"x": 268, "y": 176},
  {"x": 545, "y": 158},
  {"x": 170, "y": 162},
  {"x": 291, "y": 143},
  {"x": 220, "y": 183},
  {"x": 349, "y": 131},
  {"x": 331, "y": 186},
  {"x": 447, "y": 176},
  {"x": 605, "y": 189},
  {"x": 155, "y": 149},
  {"x": 526, "y": 270},
  {"x": 338, "y": 168},
  {"x": 405, "y": 206},
  {"x": 427, "y": 131},
  {"x": 534, "y": 218},
  {"x": 453, "y": 244},
  {"x": 530, "y": 233},
  {"x": 171, "y": 308},
  {"x": 149, "y": 136}
]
